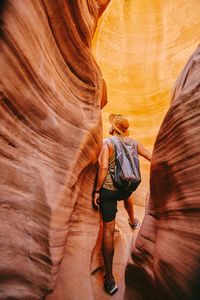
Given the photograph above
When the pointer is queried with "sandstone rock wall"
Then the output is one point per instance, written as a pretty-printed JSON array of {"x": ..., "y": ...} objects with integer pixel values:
[
  {"x": 51, "y": 132},
  {"x": 166, "y": 256},
  {"x": 141, "y": 47},
  {"x": 50, "y": 136}
]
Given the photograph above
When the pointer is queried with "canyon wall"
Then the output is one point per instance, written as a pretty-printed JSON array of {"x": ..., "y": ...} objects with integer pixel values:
[
  {"x": 50, "y": 136},
  {"x": 141, "y": 47},
  {"x": 52, "y": 93},
  {"x": 166, "y": 261}
]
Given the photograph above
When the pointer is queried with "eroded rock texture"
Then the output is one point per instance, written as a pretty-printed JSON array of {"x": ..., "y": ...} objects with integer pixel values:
[
  {"x": 167, "y": 249},
  {"x": 50, "y": 133},
  {"x": 141, "y": 46}
]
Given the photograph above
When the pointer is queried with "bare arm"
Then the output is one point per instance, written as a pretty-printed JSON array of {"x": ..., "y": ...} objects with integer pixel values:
[
  {"x": 103, "y": 169},
  {"x": 103, "y": 166},
  {"x": 143, "y": 152}
]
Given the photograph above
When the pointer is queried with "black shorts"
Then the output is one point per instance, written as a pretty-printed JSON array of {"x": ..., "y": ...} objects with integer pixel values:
[{"x": 108, "y": 203}]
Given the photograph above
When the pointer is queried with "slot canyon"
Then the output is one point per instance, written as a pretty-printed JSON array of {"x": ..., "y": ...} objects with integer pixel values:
[{"x": 65, "y": 65}]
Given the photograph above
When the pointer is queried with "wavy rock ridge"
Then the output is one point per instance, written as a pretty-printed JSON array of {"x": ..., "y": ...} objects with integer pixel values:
[
  {"x": 166, "y": 255},
  {"x": 141, "y": 47},
  {"x": 50, "y": 132}
]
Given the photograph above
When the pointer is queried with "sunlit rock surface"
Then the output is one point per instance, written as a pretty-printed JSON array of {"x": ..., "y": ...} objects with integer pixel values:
[
  {"x": 141, "y": 47},
  {"x": 50, "y": 137},
  {"x": 50, "y": 132}
]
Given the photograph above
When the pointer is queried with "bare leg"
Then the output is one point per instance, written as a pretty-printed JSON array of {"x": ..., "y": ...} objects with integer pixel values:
[
  {"x": 108, "y": 247},
  {"x": 128, "y": 204}
]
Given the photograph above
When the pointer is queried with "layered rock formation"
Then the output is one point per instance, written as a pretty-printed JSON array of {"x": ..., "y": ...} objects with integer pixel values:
[
  {"x": 141, "y": 47},
  {"x": 51, "y": 133},
  {"x": 166, "y": 255}
]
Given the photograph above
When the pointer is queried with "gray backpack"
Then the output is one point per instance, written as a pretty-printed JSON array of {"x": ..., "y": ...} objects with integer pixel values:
[{"x": 126, "y": 176}]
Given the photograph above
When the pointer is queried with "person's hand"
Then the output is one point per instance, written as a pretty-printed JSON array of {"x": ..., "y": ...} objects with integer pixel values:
[{"x": 96, "y": 199}]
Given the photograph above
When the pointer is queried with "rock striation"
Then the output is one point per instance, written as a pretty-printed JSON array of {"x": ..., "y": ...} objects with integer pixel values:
[
  {"x": 141, "y": 46},
  {"x": 52, "y": 92},
  {"x": 166, "y": 255},
  {"x": 50, "y": 136}
]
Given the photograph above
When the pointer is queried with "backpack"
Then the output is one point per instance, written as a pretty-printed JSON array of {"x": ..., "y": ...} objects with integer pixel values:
[{"x": 126, "y": 176}]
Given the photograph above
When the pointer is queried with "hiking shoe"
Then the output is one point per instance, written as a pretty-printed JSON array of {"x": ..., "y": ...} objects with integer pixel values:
[
  {"x": 110, "y": 287},
  {"x": 135, "y": 225}
]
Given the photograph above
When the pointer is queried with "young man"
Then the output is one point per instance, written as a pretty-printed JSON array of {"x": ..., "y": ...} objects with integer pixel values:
[{"x": 106, "y": 194}]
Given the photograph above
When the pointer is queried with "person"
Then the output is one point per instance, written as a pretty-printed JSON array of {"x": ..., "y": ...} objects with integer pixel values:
[{"x": 106, "y": 194}]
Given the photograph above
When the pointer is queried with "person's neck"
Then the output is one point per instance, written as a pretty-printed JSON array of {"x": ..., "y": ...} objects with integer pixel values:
[{"x": 117, "y": 134}]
